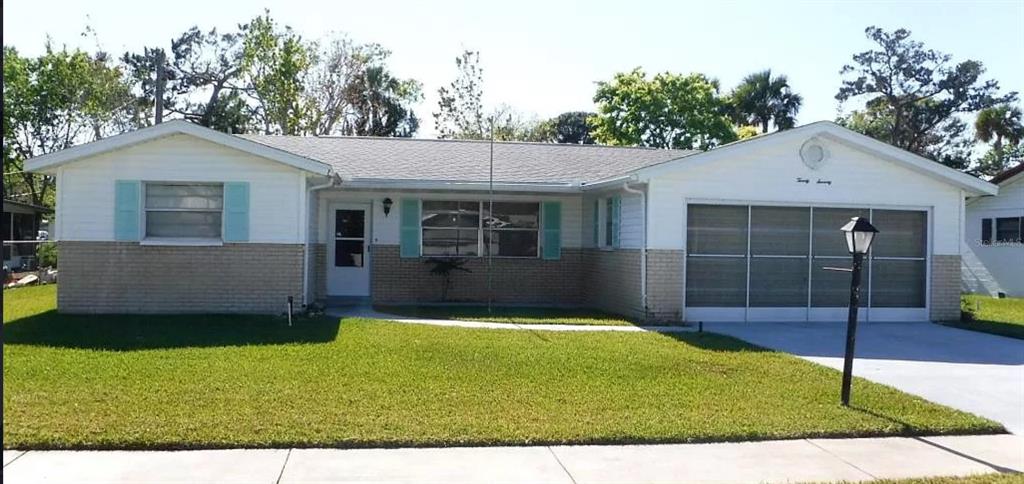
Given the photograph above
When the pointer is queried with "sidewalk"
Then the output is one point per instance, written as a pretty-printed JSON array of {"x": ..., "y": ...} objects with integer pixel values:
[
  {"x": 808, "y": 460},
  {"x": 370, "y": 313}
]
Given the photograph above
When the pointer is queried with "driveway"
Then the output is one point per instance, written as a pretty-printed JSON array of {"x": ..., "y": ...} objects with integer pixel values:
[{"x": 975, "y": 372}]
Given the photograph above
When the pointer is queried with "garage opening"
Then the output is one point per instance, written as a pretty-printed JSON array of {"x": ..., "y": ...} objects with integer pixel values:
[{"x": 767, "y": 263}]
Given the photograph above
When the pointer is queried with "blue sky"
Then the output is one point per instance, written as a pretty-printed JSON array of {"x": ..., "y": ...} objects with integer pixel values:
[{"x": 543, "y": 57}]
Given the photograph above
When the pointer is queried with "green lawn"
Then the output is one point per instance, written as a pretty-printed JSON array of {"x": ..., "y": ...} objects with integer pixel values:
[
  {"x": 516, "y": 315},
  {"x": 220, "y": 381},
  {"x": 1004, "y": 317},
  {"x": 992, "y": 478}
]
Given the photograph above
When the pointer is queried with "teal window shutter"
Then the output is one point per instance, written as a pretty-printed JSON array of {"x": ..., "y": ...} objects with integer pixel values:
[
  {"x": 410, "y": 228},
  {"x": 597, "y": 222},
  {"x": 236, "y": 212},
  {"x": 127, "y": 201},
  {"x": 552, "y": 230},
  {"x": 616, "y": 221}
]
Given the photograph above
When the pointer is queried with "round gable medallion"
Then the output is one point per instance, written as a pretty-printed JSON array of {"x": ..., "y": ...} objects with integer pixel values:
[{"x": 813, "y": 153}]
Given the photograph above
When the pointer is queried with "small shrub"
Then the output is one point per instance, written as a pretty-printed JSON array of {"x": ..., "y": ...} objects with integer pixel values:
[
  {"x": 443, "y": 267},
  {"x": 46, "y": 254}
]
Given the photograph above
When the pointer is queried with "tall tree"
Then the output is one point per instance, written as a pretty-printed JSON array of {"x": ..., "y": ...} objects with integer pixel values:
[
  {"x": 913, "y": 96},
  {"x": 275, "y": 62},
  {"x": 53, "y": 102},
  {"x": 380, "y": 104},
  {"x": 567, "y": 128},
  {"x": 761, "y": 100},
  {"x": 203, "y": 80},
  {"x": 351, "y": 92},
  {"x": 460, "y": 109},
  {"x": 667, "y": 111},
  {"x": 1001, "y": 126},
  {"x": 998, "y": 124}
]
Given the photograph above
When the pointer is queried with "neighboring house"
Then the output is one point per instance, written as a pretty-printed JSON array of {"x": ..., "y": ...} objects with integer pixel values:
[
  {"x": 21, "y": 225},
  {"x": 993, "y": 260},
  {"x": 177, "y": 218}
]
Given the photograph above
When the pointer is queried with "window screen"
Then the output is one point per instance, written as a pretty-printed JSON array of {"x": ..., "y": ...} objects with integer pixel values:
[
  {"x": 986, "y": 231},
  {"x": 1008, "y": 230},
  {"x": 512, "y": 231},
  {"x": 451, "y": 228},
  {"x": 903, "y": 233},
  {"x": 716, "y": 229},
  {"x": 184, "y": 210},
  {"x": 716, "y": 282},
  {"x": 779, "y": 282}
]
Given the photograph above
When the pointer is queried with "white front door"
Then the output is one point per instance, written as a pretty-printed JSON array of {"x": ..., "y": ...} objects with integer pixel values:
[{"x": 348, "y": 255}]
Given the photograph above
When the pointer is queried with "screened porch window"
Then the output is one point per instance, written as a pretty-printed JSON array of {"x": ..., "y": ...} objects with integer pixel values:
[{"x": 184, "y": 210}]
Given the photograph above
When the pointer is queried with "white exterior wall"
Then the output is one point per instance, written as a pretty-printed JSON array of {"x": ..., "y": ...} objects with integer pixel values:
[
  {"x": 85, "y": 204},
  {"x": 1000, "y": 267},
  {"x": 385, "y": 229},
  {"x": 769, "y": 176}
]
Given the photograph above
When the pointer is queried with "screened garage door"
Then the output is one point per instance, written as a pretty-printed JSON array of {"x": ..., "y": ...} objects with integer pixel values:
[{"x": 767, "y": 263}]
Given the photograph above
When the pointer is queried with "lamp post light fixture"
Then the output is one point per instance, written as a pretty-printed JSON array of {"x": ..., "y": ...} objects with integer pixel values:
[
  {"x": 387, "y": 203},
  {"x": 859, "y": 236}
]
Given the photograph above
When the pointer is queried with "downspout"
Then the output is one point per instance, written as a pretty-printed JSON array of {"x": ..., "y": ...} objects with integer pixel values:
[
  {"x": 305, "y": 246},
  {"x": 643, "y": 244}
]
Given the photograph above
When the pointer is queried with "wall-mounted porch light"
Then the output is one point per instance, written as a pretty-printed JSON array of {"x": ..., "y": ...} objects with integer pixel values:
[{"x": 387, "y": 203}]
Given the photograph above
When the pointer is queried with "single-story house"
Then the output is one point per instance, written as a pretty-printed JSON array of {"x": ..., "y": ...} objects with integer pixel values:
[
  {"x": 177, "y": 217},
  {"x": 21, "y": 225},
  {"x": 993, "y": 258}
]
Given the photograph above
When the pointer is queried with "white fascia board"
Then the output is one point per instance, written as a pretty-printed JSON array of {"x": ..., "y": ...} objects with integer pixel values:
[
  {"x": 455, "y": 185},
  {"x": 615, "y": 182},
  {"x": 47, "y": 162},
  {"x": 834, "y": 132}
]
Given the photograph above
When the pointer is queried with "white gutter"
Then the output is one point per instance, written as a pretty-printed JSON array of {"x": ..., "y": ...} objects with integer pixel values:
[
  {"x": 609, "y": 182},
  {"x": 643, "y": 243},
  {"x": 408, "y": 184},
  {"x": 305, "y": 246}
]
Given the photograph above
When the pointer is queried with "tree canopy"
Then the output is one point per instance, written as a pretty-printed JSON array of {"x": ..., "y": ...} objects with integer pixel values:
[
  {"x": 666, "y": 111},
  {"x": 53, "y": 102},
  {"x": 914, "y": 97},
  {"x": 761, "y": 100}
]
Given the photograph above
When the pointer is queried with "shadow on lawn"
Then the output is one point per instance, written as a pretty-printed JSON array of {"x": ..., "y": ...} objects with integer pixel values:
[{"x": 144, "y": 332}]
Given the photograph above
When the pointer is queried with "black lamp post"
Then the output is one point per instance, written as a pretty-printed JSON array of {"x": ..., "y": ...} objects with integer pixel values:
[{"x": 859, "y": 235}]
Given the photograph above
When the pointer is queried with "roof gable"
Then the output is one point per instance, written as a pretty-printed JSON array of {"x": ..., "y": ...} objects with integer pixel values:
[
  {"x": 833, "y": 132},
  {"x": 170, "y": 128}
]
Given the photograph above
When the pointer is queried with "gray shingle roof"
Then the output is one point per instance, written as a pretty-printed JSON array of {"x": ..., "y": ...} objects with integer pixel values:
[{"x": 463, "y": 160}]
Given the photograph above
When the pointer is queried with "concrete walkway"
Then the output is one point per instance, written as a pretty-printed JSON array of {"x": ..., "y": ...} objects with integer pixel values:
[
  {"x": 820, "y": 460},
  {"x": 368, "y": 312},
  {"x": 971, "y": 371}
]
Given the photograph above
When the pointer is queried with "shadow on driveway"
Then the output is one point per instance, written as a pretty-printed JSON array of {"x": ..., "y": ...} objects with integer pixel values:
[{"x": 882, "y": 341}]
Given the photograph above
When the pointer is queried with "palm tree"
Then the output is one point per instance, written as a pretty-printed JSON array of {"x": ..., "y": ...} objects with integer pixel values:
[
  {"x": 761, "y": 99},
  {"x": 997, "y": 124}
]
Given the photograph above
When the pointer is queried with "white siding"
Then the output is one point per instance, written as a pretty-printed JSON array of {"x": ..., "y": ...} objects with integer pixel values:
[
  {"x": 769, "y": 176},
  {"x": 385, "y": 229},
  {"x": 85, "y": 208},
  {"x": 994, "y": 268}
]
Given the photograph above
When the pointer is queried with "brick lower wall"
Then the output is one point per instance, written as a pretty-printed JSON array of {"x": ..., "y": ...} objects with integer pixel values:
[
  {"x": 395, "y": 279},
  {"x": 665, "y": 285},
  {"x": 945, "y": 304},
  {"x": 612, "y": 281},
  {"x": 125, "y": 277},
  {"x": 318, "y": 275}
]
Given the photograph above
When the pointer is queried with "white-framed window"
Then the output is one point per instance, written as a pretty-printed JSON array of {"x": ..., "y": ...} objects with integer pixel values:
[
  {"x": 608, "y": 222},
  {"x": 179, "y": 210},
  {"x": 469, "y": 229}
]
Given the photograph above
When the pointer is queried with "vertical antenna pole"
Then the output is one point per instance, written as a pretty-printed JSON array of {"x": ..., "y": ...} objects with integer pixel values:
[{"x": 490, "y": 221}]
